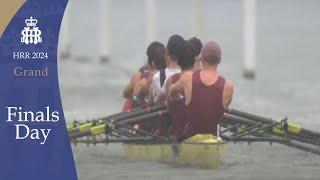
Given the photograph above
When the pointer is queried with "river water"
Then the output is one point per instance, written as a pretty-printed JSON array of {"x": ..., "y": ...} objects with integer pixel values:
[{"x": 287, "y": 82}]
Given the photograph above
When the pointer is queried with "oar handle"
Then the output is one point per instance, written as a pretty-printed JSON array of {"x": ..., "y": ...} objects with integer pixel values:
[{"x": 144, "y": 117}]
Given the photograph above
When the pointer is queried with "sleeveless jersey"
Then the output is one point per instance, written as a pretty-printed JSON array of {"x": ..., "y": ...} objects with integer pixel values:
[
  {"x": 205, "y": 110},
  {"x": 177, "y": 113}
]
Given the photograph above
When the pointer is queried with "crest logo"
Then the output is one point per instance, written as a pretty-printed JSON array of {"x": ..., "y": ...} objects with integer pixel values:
[{"x": 31, "y": 33}]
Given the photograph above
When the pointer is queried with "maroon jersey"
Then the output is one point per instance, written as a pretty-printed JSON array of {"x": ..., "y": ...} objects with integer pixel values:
[
  {"x": 177, "y": 114},
  {"x": 205, "y": 110}
]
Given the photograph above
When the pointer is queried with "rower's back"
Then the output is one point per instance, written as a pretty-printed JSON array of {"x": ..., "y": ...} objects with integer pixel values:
[
  {"x": 205, "y": 108},
  {"x": 177, "y": 113},
  {"x": 209, "y": 96}
]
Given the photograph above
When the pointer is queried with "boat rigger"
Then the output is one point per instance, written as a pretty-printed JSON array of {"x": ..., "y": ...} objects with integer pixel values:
[{"x": 202, "y": 150}]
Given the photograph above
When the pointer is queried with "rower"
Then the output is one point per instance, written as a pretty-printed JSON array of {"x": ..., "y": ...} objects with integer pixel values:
[
  {"x": 160, "y": 77},
  {"x": 137, "y": 87},
  {"x": 196, "y": 46},
  {"x": 207, "y": 94},
  {"x": 156, "y": 61},
  {"x": 175, "y": 54},
  {"x": 128, "y": 90},
  {"x": 176, "y": 106}
]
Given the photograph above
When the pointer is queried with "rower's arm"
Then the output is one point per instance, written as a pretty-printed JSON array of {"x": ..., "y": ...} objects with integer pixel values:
[
  {"x": 151, "y": 95},
  {"x": 176, "y": 87},
  {"x": 151, "y": 89},
  {"x": 128, "y": 90},
  {"x": 183, "y": 85},
  {"x": 165, "y": 89},
  {"x": 227, "y": 94},
  {"x": 141, "y": 89}
]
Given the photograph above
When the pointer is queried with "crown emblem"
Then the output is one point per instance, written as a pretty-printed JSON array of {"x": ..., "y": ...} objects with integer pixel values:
[
  {"x": 31, "y": 22},
  {"x": 31, "y": 34}
]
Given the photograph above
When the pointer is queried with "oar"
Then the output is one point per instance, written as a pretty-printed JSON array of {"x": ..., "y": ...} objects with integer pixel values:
[
  {"x": 144, "y": 117},
  {"x": 293, "y": 129},
  {"x": 89, "y": 123},
  {"x": 103, "y": 128},
  {"x": 116, "y": 117},
  {"x": 138, "y": 113},
  {"x": 235, "y": 120}
]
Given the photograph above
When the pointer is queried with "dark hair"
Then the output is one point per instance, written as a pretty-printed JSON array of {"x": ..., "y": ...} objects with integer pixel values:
[
  {"x": 181, "y": 50},
  {"x": 175, "y": 46},
  {"x": 197, "y": 45},
  {"x": 156, "y": 53},
  {"x": 187, "y": 59}
]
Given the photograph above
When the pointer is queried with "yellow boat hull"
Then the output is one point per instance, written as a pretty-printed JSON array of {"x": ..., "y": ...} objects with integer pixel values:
[{"x": 200, "y": 150}]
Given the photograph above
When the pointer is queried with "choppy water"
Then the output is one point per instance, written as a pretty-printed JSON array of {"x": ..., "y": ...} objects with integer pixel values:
[{"x": 288, "y": 82}]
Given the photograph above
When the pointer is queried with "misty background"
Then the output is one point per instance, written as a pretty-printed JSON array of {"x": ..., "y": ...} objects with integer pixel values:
[{"x": 287, "y": 80}]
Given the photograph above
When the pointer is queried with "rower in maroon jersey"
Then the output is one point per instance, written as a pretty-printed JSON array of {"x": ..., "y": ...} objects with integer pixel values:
[
  {"x": 207, "y": 94},
  {"x": 177, "y": 49},
  {"x": 177, "y": 107}
]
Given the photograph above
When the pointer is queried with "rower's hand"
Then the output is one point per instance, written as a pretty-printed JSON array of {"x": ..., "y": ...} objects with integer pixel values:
[
  {"x": 156, "y": 132},
  {"x": 161, "y": 97},
  {"x": 227, "y": 109},
  {"x": 176, "y": 97}
]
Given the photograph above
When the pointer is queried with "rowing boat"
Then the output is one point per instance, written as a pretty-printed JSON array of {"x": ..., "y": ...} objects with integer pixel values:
[{"x": 203, "y": 150}]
